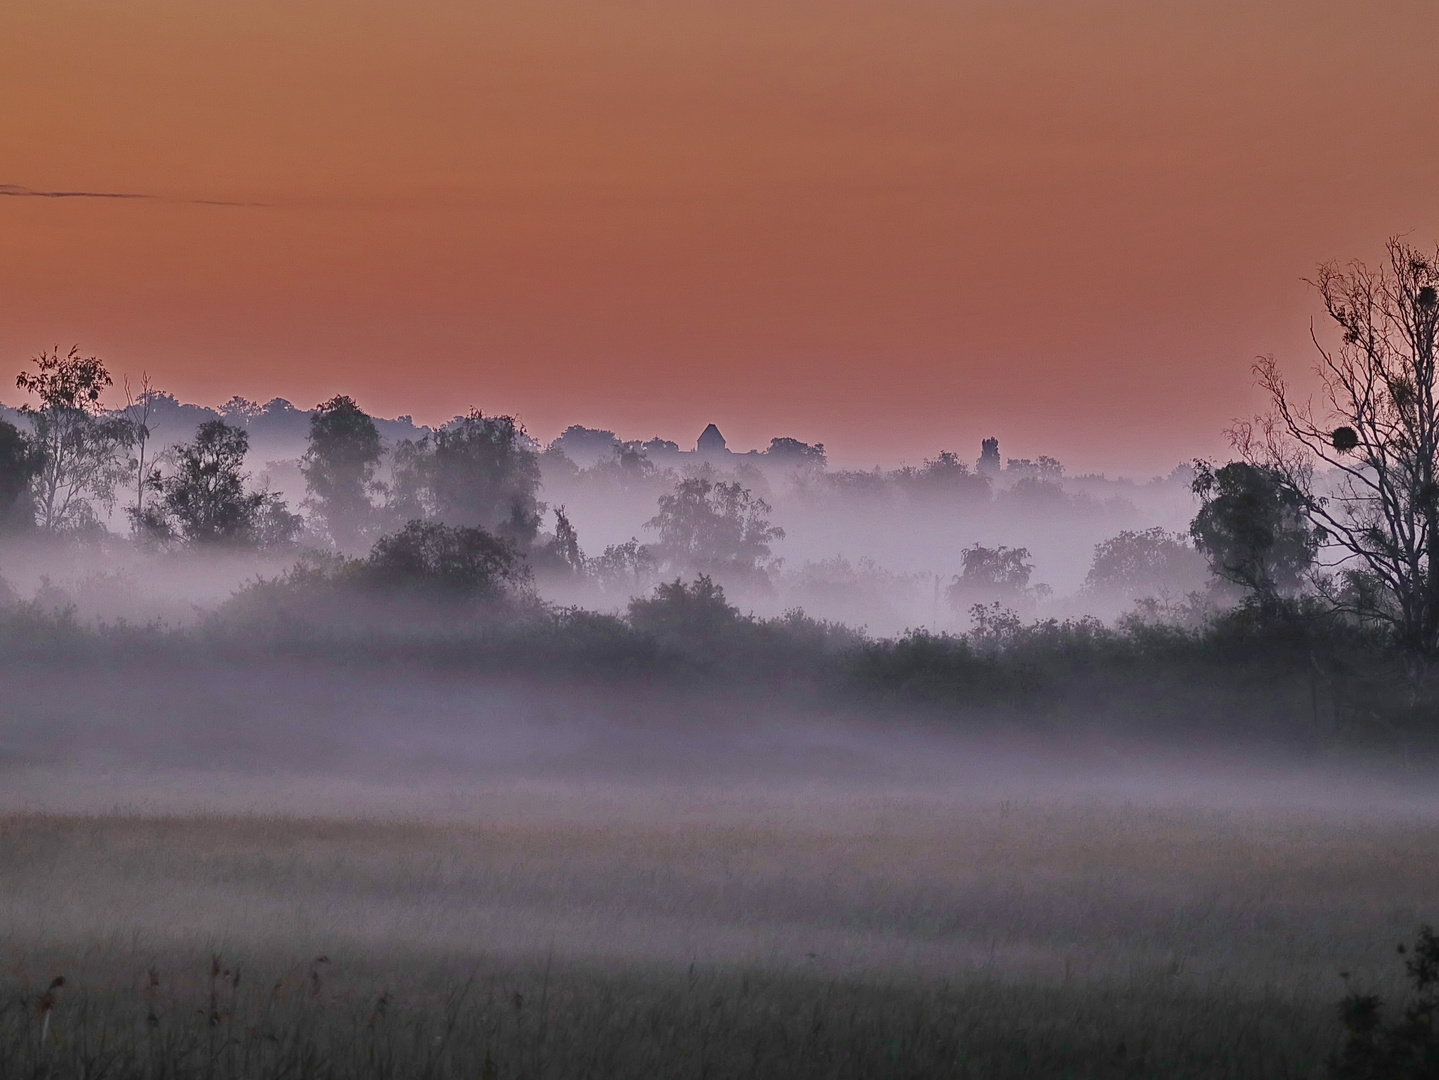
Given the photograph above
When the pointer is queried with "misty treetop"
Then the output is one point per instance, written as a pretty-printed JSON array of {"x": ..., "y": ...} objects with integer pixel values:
[
  {"x": 339, "y": 466},
  {"x": 995, "y": 575},
  {"x": 1146, "y": 562},
  {"x": 480, "y": 471},
  {"x": 205, "y": 499},
  {"x": 709, "y": 526}
]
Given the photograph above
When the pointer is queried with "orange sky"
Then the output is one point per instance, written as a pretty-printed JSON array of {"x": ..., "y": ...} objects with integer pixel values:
[{"x": 892, "y": 225}]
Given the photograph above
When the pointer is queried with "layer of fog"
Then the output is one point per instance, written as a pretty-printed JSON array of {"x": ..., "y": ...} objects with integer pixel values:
[
  {"x": 885, "y": 561},
  {"x": 171, "y": 737},
  {"x": 859, "y": 547},
  {"x": 882, "y": 562}
]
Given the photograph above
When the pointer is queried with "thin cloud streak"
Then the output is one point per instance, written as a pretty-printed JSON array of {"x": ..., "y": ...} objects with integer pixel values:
[{"x": 24, "y": 192}]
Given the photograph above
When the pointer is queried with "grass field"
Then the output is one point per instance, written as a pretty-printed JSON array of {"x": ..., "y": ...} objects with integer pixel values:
[{"x": 606, "y": 932}]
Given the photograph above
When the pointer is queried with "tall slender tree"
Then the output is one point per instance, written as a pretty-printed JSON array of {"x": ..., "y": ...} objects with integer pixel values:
[
  {"x": 339, "y": 467},
  {"x": 138, "y": 408},
  {"x": 77, "y": 443}
]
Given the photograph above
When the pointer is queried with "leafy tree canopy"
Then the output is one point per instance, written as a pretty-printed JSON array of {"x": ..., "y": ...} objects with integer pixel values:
[
  {"x": 478, "y": 471},
  {"x": 993, "y": 574},
  {"x": 76, "y": 445},
  {"x": 793, "y": 450},
  {"x": 339, "y": 467},
  {"x": 679, "y": 610},
  {"x": 1254, "y": 527},
  {"x": 444, "y": 561},
  {"x": 714, "y": 527},
  {"x": 20, "y": 460},
  {"x": 205, "y": 500},
  {"x": 1147, "y": 561}
]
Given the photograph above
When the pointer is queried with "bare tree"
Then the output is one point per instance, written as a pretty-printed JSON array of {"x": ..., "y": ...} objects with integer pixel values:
[{"x": 1376, "y": 426}]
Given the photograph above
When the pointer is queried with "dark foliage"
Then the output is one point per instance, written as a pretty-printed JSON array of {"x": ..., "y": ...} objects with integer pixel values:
[
  {"x": 20, "y": 460},
  {"x": 206, "y": 496},
  {"x": 992, "y": 574},
  {"x": 1288, "y": 673},
  {"x": 1407, "y": 1047},
  {"x": 443, "y": 561},
  {"x": 697, "y": 630},
  {"x": 677, "y": 610},
  {"x": 560, "y": 553},
  {"x": 1038, "y": 494},
  {"x": 627, "y": 467},
  {"x": 1254, "y": 527},
  {"x": 1043, "y": 468},
  {"x": 456, "y": 596},
  {"x": 711, "y": 527},
  {"x": 486, "y": 475},
  {"x": 1145, "y": 562},
  {"x": 945, "y": 477},
  {"x": 623, "y": 567},
  {"x": 585, "y": 445},
  {"x": 339, "y": 469},
  {"x": 205, "y": 499},
  {"x": 796, "y": 452},
  {"x": 477, "y": 471}
]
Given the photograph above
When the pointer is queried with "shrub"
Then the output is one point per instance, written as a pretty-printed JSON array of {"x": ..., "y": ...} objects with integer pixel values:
[
  {"x": 448, "y": 561},
  {"x": 1406, "y": 1048},
  {"x": 698, "y": 609}
]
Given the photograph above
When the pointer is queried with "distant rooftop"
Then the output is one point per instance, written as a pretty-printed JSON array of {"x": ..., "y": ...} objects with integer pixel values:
[{"x": 711, "y": 441}]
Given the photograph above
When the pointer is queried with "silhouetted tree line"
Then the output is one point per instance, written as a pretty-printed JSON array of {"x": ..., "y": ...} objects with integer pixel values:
[
  {"x": 450, "y": 537},
  {"x": 68, "y": 471},
  {"x": 467, "y": 496},
  {"x": 458, "y": 512}
]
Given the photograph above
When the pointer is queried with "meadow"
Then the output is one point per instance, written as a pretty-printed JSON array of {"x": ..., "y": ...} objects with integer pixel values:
[
  {"x": 321, "y": 832},
  {"x": 531, "y": 928}
]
